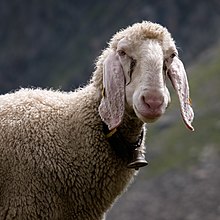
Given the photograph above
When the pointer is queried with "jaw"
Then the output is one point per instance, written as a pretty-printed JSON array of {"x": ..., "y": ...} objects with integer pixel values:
[
  {"x": 143, "y": 115},
  {"x": 147, "y": 117}
]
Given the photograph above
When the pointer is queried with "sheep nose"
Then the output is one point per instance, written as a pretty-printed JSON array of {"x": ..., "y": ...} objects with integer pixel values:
[{"x": 153, "y": 103}]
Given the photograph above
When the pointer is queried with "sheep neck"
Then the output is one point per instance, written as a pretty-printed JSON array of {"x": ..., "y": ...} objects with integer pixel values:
[
  {"x": 122, "y": 147},
  {"x": 131, "y": 127},
  {"x": 128, "y": 136}
]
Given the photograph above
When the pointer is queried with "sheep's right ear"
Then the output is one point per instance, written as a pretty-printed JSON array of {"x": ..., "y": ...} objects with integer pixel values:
[{"x": 112, "y": 104}]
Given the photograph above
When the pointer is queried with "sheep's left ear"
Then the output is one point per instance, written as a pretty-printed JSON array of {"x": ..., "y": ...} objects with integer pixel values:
[
  {"x": 112, "y": 104},
  {"x": 178, "y": 77}
]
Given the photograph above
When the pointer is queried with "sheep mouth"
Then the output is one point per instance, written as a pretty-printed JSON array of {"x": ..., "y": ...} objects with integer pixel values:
[{"x": 146, "y": 115}]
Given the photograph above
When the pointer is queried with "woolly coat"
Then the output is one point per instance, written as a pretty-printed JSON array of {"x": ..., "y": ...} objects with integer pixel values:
[{"x": 55, "y": 162}]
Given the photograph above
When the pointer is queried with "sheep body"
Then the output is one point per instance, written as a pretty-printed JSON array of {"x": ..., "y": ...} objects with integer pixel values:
[
  {"x": 55, "y": 159},
  {"x": 40, "y": 169}
]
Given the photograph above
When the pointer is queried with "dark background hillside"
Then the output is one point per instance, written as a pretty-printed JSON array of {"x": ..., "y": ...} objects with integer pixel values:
[
  {"x": 51, "y": 43},
  {"x": 55, "y": 43}
]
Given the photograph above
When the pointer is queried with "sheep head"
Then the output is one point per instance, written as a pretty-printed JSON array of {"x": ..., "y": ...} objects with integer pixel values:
[{"x": 135, "y": 68}]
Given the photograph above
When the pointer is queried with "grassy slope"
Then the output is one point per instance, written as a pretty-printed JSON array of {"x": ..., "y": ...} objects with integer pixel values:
[{"x": 176, "y": 146}]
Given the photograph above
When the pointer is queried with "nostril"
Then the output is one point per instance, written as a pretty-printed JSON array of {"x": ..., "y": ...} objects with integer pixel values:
[
  {"x": 153, "y": 102},
  {"x": 148, "y": 105}
]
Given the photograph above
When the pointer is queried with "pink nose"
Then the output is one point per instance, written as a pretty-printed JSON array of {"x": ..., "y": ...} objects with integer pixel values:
[{"x": 153, "y": 102}]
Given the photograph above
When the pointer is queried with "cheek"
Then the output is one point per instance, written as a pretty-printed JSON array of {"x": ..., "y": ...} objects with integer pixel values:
[
  {"x": 126, "y": 69},
  {"x": 131, "y": 88},
  {"x": 129, "y": 94}
]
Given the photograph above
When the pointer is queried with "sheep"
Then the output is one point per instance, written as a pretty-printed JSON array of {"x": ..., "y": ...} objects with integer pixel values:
[{"x": 66, "y": 155}]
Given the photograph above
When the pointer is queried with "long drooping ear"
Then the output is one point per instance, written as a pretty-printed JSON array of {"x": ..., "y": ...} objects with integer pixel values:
[
  {"x": 112, "y": 104},
  {"x": 178, "y": 77}
]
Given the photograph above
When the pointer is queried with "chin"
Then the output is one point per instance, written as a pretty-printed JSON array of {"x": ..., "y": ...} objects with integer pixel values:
[{"x": 147, "y": 119}]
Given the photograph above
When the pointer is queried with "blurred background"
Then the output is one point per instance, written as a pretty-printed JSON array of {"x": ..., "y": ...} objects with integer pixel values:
[{"x": 52, "y": 43}]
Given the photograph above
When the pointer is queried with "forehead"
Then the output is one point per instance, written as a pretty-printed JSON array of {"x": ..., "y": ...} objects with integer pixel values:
[
  {"x": 144, "y": 31},
  {"x": 144, "y": 46}
]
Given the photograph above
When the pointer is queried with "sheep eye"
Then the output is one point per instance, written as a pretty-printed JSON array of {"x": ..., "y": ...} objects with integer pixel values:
[
  {"x": 121, "y": 53},
  {"x": 172, "y": 55}
]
